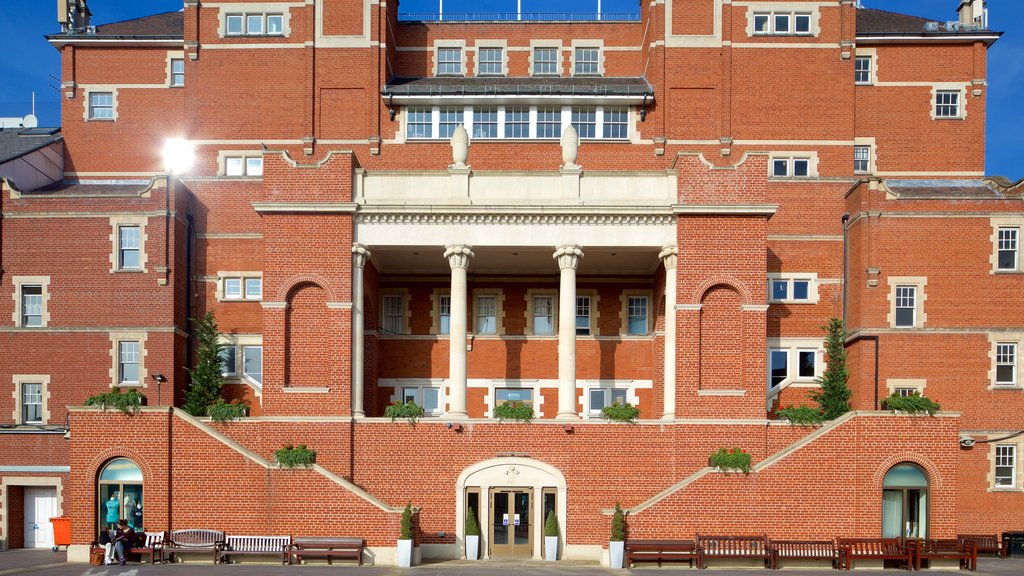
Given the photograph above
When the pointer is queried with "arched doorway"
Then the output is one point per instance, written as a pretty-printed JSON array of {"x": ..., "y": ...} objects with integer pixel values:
[
  {"x": 119, "y": 491},
  {"x": 905, "y": 502}
]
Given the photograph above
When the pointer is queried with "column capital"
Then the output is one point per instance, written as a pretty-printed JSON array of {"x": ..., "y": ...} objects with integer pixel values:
[
  {"x": 360, "y": 254},
  {"x": 568, "y": 256},
  {"x": 669, "y": 256},
  {"x": 458, "y": 255}
]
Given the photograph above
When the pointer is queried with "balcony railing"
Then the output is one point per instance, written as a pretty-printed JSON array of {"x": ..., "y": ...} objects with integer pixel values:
[{"x": 519, "y": 17}]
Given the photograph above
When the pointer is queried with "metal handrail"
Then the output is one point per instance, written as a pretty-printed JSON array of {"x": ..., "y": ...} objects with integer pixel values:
[{"x": 521, "y": 16}]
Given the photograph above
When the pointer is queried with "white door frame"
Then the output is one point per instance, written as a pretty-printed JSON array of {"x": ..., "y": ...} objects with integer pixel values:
[{"x": 6, "y": 481}]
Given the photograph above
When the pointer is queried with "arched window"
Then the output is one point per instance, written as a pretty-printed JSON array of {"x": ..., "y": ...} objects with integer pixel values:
[
  {"x": 905, "y": 502},
  {"x": 120, "y": 494}
]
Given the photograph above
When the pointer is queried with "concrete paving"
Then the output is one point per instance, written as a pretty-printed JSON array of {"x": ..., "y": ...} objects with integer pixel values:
[{"x": 47, "y": 563}]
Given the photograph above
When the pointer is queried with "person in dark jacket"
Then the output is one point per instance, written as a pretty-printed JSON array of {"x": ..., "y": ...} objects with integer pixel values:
[{"x": 123, "y": 540}]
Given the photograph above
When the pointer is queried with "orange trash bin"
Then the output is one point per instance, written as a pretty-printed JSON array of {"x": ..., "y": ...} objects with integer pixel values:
[{"x": 61, "y": 532}]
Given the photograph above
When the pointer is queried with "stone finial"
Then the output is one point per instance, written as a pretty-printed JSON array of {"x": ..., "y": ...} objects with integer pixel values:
[
  {"x": 570, "y": 147},
  {"x": 460, "y": 147}
]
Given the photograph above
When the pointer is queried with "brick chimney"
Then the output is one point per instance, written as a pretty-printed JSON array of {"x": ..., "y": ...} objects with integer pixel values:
[{"x": 73, "y": 14}]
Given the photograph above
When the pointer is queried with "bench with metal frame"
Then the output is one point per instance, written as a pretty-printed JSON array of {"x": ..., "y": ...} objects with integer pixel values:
[{"x": 194, "y": 540}]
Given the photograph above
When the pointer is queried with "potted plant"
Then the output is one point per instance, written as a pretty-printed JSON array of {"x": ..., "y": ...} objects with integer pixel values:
[
  {"x": 551, "y": 537},
  {"x": 732, "y": 459},
  {"x": 618, "y": 538},
  {"x": 405, "y": 537},
  {"x": 472, "y": 535}
]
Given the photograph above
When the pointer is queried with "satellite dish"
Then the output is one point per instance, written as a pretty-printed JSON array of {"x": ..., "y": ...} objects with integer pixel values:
[{"x": 30, "y": 121}]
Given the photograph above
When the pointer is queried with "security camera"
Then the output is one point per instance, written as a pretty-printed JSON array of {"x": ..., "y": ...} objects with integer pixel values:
[{"x": 966, "y": 442}]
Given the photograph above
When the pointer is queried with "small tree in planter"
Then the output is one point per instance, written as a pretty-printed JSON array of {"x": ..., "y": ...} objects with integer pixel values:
[
  {"x": 206, "y": 377},
  {"x": 472, "y": 535},
  {"x": 834, "y": 395},
  {"x": 551, "y": 537},
  {"x": 618, "y": 538},
  {"x": 405, "y": 537}
]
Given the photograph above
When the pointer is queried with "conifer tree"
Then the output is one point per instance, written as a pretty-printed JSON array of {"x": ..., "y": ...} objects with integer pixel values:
[
  {"x": 206, "y": 378},
  {"x": 834, "y": 395}
]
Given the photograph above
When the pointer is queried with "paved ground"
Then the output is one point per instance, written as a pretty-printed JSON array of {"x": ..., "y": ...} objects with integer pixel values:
[{"x": 46, "y": 563}]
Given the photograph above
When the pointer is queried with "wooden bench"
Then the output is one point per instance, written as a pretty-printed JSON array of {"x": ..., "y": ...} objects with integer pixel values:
[
  {"x": 984, "y": 543},
  {"x": 322, "y": 547},
  {"x": 254, "y": 545},
  {"x": 801, "y": 550},
  {"x": 851, "y": 549},
  {"x": 753, "y": 547},
  {"x": 194, "y": 540},
  {"x": 933, "y": 548},
  {"x": 660, "y": 550},
  {"x": 146, "y": 544}
]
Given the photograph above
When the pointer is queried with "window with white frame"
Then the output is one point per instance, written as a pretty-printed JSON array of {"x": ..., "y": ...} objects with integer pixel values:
[
  {"x": 444, "y": 308},
  {"x": 1007, "y": 257},
  {"x": 522, "y": 396},
  {"x": 636, "y": 315},
  {"x": 790, "y": 167},
  {"x": 778, "y": 367},
  {"x": 947, "y": 104},
  {"x": 601, "y": 397},
  {"x": 129, "y": 248},
  {"x": 584, "y": 120},
  {"x": 520, "y": 122},
  {"x": 862, "y": 70},
  {"x": 31, "y": 403},
  {"x": 448, "y": 120},
  {"x": 254, "y": 24},
  {"x": 782, "y": 23},
  {"x": 243, "y": 288},
  {"x": 1006, "y": 363},
  {"x": 393, "y": 313},
  {"x": 449, "y": 61},
  {"x": 793, "y": 363},
  {"x": 240, "y": 165},
  {"x": 177, "y": 72},
  {"x": 905, "y": 391},
  {"x": 31, "y": 305},
  {"x": 543, "y": 315},
  {"x": 583, "y": 315},
  {"x": 128, "y": 361},
  {"x": 419, "y": 123},
  {"x": 252, "y": 363},
  {"x": 491, "y": 61},
  {"x": 426, "y": 397},
  {"x": 1006, "y": 466},
  {"x": 549, "y": 122},
  {"x": 486, "y": 315},
  {"x": 228, "y": 360},
  {"x": 517, "y": 122},
  {"x": 545, "y": 61},
  {"x": 588, "y": 61},
  {"x": 862, "y": 159},
  {"x": 616, "y": 123},
  {"x": 906, "y": 306},
  {"x": 806, "y": 364},
  {"x": 101, "y": 105},
  {"x": 485, "y": 123},
  {"x": 790, "y": 290}
]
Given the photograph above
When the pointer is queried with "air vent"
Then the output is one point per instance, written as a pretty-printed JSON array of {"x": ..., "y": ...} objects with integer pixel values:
[{"x": 931, "y": 26}]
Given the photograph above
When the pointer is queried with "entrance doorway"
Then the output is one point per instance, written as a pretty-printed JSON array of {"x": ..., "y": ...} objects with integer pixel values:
[
  {"x": 511, "y": 534},
  {"x": 40, "y": 506},
  {"x": 905, "y": 502}
]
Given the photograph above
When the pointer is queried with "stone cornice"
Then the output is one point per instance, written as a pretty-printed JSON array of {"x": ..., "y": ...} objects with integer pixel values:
[{"x": 456, "y": 218}]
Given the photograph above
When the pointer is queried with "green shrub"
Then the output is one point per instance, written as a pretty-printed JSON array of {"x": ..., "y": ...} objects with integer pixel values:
[
  {"x": 410, "y": 411},
  {"x": 551, "y": 525},
  {"x": 206, "y": 377},
  {"x": 227, "y": 411},
  {"x": 472, "y": 526},
  {"x": 834, "y": 394},
  {"x": 913, "y": 404},
  {"x": 731, "y": 459},
  {"x": 405, "y": 526},
  {"x": 621, "y": 413},
  {"x": 128, "y": 401},
  {"x": 618, "y": 524},
  {"x": 291, "y": 457},
  {"x": 514, "y": 411},
  {"x": 802, "y": 415}
]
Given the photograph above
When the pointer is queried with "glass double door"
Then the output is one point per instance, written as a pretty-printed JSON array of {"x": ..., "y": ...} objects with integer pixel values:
[{"x": 511, "y": 529}]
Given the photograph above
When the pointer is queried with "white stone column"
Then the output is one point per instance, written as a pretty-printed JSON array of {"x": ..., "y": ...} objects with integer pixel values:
[
  {"x": 669, "y": 257},
  {"x": 458, "y": 256},
  {"x": 359, "y": 257},
  {"x": 568, "y": 258}
]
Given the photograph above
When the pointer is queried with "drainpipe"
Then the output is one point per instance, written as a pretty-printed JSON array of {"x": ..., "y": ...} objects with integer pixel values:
[
  {"x": 189, "y": 265},
  {"x": 846, "y": 261}
]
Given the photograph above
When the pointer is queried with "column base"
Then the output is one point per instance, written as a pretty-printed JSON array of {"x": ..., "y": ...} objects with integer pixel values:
[
  {"x": 668, "y": 417},
  {"x": 359, "y": 414},
  {"x": 567, "y": 416},
  {"x": 454, "y": 415}
]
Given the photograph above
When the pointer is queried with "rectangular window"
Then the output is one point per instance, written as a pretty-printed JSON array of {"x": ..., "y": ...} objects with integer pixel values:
[
  {"x": 101, "y": 105},
  {"x": 947, "y": 104},
  {"x": 243, "y": 288},
  {"x": 761, "y": 24},
  {"x": 31, "y": 403},
  {"x": 906, "y": 297},
  {"x": 778, "y": 366},
  {"x": 585, "y": 121},
  {"x": 254, "y": 166},
  {"x": 780, "y": 167},
  {"x": 637, "y": 315},
  {"x": 492, "y": 62},
  {"x": 424, "y": 397},
  {"x": 905, "y": 392},
  {"x": 583, "y": 315},
  {"x": 485, "y": 123},
  {"x": 801, "y": 167},
  {"x": 587, "y": 61},
  {"x": 128, "y": 361},
  {"x": 545, "y": 61},
  {"x": 780, "y": 289},
  {"x": 228, "y": 365},
  {"x": 275, "y": 25},
  {"x": 543, "y": 315},
  {"x": 449, "y": 120},
  {"x": 252, "y": 363},
  {"x": 601, "y": 397},
  {"x": 253, "y": 288},
  {"x": 128, "y": 246},
  {"x": 234, "y": 25},
  {"x": 801, "y": 290},
  {"x": 781, "y": 24},
  {"x": 802, "y": 23},
  {"x": 177, "y": 72},
  {"x": 1006, "y": 465},
  {"x": 31, "y": 305},
  {"x": 394, "y": 314},
  {"x": 486, "y": 314},
  {"x": 418, "y": 123},
  {"x": 616, "y": 123},
  {"x": 785, "y": 290},
  {"x": 806, "y": 368},
  {"x": 1007, "y": 257},
  {"x": 232, "y": 288},
  {"x": 517, "y": 122},
  {"x": 505, "y": 395},
  {"x": 1006, "y": 364},
  {"x": 449, "y": 61},
  {"x": 862, "y": 70},
  {"x": 549, "y": 122},
  {"x": 444, "y": 305},
  {"x": 243, "y": 166},
  {"x": 862, "y": 158},
  {"x": 254, "y": 24}
]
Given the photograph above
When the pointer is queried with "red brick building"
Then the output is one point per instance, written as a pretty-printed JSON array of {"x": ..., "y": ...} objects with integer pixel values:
[{"x": 660, "y": 208}]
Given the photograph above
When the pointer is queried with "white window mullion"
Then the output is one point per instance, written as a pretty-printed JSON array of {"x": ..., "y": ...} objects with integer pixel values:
[
  {"x": 599, "y": 123},
  {"x": 435, "y": 121},
  {"x": 467, "y": 120},
  {"x": 533, "y": 122},
  {"x": 501, "y": 121},
  {"x": 566, "y": 117}
]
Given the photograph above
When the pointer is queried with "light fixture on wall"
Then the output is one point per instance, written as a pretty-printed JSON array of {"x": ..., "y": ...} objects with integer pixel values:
[{"x": 160, "y": 379}]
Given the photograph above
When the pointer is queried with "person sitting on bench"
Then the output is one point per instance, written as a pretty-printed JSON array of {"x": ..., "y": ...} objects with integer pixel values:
[{"x": 124, "y": 539}]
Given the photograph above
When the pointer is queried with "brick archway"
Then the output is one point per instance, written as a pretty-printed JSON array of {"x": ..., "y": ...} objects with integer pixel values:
[
  {"x": 726, "y": 281},
  {"x": 930, "y": 470},
  {"x": 289, "y": 286}
]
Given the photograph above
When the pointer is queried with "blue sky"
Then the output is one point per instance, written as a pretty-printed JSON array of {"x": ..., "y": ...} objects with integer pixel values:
[{"x": 28, "y": 63}]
